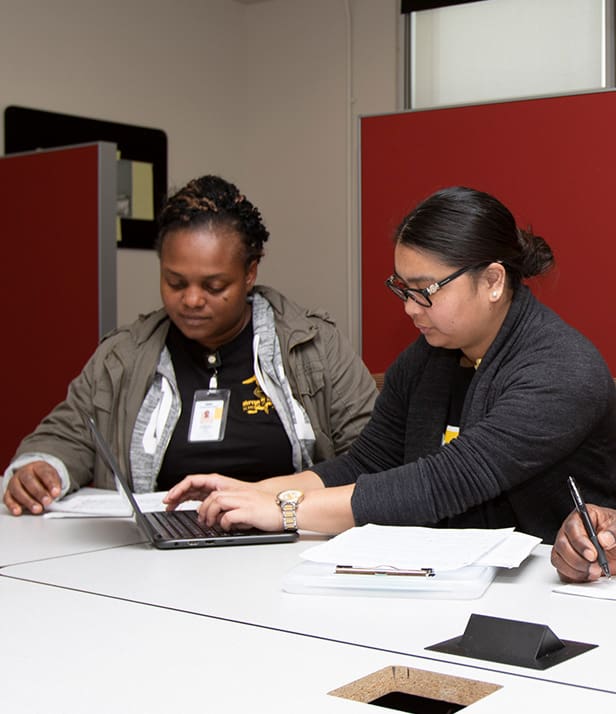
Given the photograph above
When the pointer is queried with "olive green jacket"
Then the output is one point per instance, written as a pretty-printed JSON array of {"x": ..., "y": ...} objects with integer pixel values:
[{"x": 326, "y": 377}]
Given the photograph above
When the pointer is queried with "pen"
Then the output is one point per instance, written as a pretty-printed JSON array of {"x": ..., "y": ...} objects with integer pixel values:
[
  {"x": 590, "y": 530},
  {"x": 350, "y": 570}
]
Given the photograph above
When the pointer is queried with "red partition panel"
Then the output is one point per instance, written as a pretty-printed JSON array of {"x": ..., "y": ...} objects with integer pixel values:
[
  {"x": 49, "y": 293},
  {"x": 551, "y": 161}
]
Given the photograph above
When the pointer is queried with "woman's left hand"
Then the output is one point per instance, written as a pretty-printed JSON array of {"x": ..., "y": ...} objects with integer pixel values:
[
  {"x": 241, "y": 509},
  {"x": 197, "y": 487}
]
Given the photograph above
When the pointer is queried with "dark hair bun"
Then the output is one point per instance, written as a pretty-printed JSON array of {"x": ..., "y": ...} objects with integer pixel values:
[{"x": 536, "y": 255}]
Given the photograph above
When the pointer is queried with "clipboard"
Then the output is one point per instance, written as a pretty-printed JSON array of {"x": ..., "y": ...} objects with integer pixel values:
[{"x": 310, "y": 578}]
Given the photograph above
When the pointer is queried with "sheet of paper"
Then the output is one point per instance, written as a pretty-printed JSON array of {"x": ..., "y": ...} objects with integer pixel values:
[
  {"x": 96, "y": 502},
  {"x": 511, "y": 551},
  {"x": 372, "y": 546},
  {"x": 602, "y": 589}
]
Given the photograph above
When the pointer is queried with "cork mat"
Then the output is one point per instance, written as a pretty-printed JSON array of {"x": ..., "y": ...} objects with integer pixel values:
[{"x": 430, "y": 685}]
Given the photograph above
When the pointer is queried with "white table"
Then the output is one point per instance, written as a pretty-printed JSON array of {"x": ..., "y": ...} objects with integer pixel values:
[
  {"x": 242, "y": 585},
  {"x": 28, "y": 537},
  {"x": 66, "y": 652}
]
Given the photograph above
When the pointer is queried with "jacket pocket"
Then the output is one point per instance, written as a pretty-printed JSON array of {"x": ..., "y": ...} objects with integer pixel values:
[{"x": 310, "y": 379}]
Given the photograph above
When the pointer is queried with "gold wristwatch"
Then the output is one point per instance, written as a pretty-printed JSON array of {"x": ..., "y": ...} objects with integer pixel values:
[{"x": 288, "y": 502}]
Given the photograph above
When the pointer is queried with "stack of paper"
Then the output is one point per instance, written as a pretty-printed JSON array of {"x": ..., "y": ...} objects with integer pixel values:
[
  {"x": 440, "y": 549},
  {"x": 446, "y": 563}
]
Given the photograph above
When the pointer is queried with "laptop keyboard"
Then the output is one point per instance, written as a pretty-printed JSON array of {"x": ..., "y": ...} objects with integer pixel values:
[{"x": 184, "y": 524}]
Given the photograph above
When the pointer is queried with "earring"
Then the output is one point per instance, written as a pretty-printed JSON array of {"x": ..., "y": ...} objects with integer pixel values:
[{"x": 494, "y": 294}]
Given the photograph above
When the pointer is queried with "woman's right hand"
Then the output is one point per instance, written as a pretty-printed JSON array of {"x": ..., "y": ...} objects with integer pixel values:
[
  {"x": 32, "y": 487},
  {"x": 574, "y": 556}
]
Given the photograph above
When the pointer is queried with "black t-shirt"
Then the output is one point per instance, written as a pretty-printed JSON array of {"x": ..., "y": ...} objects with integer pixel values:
[
  {"x": 499, "y": 509},
  {"x": 461, "y": 383},
  {"x": 255, "y": 444}
]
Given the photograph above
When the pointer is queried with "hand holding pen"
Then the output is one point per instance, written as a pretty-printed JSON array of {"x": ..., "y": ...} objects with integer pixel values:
[
  {"x": 572, "y": 555},
  {"x": 580, "y": 507}
]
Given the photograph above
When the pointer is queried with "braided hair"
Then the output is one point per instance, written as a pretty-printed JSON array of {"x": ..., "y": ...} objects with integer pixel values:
[{"x": 211, "y": 202}]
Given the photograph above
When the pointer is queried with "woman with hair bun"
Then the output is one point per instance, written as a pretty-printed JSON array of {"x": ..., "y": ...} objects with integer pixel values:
[
  {"x": 228, "y": 376},
  {"x": 481, "y": 419}
]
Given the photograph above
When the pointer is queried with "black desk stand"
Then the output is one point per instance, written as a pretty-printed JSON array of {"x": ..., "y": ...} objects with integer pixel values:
[{"x": 524, "y": 644}]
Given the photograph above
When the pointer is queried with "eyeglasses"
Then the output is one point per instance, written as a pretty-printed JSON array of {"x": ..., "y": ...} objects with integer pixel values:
[{"x": 422, "y": 295}]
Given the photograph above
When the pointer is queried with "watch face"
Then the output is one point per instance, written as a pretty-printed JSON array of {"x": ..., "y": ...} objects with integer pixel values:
[{"x": 290, "y": 495}]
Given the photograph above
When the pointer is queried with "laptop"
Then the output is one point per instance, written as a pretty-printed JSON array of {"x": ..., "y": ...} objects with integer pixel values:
[{"x": 179, "y": 529}]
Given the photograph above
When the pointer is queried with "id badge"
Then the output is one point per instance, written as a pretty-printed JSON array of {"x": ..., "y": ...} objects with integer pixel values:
[{"x": 209, "y": 415}]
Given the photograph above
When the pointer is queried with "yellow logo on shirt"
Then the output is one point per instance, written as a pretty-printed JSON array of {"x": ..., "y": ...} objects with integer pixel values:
[
  {"x": 451, "y": 433},
  {"x": 262, "y": 403}
]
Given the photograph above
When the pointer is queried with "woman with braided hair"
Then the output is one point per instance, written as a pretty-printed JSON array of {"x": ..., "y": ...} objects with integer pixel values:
[{"x": 228, "y": 377}]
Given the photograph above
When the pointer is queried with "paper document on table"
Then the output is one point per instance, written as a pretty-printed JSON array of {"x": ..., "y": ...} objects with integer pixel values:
[
  {"x": 511, "y": 551},
  {"x": 409, "y": 547},
  {"x": 97, "y": 502},
  {"x": 602, "y": 589}
]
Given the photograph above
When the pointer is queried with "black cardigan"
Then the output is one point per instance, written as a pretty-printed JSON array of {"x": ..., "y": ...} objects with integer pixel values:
[{"x": 541, "y": 406}]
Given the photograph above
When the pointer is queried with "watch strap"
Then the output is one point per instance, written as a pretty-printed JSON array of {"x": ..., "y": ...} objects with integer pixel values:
[{"x": 289, "y": 515}]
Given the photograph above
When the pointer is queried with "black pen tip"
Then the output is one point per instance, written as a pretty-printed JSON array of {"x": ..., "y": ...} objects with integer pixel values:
[{"x": 606, "y": 571}]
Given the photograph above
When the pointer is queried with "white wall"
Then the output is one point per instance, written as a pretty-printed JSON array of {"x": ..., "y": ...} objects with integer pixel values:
[{"x": 498, "y": 49}]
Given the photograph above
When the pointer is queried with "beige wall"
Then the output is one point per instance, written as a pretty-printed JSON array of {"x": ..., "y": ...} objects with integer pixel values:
[
  {"x": 266, "y": 94},
  {"x": 312, "y": 68}
]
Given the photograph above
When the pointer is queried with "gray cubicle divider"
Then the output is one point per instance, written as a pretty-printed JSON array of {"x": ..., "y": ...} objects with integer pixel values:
[{"x": 107, "y": 238}]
